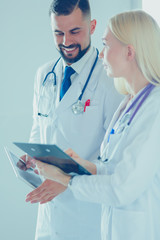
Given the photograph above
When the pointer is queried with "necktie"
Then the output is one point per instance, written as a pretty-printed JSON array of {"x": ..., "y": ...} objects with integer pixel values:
[{"x": 66, "y": 83}]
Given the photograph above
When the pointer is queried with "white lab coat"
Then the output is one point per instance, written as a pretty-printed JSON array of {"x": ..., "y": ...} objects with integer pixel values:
[
  {"x": 65, "y": 217},
  {"x": 128, "y": 185}
]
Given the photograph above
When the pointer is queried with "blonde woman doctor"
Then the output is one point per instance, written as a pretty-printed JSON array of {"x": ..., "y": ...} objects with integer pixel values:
[{"x": 127, "y": 179}]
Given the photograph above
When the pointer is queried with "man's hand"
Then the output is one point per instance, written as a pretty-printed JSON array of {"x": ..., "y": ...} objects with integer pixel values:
[
  {"x": 45, "y": 192},
  {"x": 25, "y": 162}
]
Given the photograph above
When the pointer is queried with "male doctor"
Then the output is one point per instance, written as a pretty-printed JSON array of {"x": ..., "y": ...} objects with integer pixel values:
[{"x": 72, "y": 115}]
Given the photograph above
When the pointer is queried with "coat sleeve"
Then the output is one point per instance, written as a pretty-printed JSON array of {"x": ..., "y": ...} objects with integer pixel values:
[{"x": 133, "y": 175}]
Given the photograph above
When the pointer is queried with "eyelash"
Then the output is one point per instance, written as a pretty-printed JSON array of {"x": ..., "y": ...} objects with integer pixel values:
[
  {"x": 105, "y": 45},
  {"x": 61, "y": 34},
  {"x": 75, "y": 32}
]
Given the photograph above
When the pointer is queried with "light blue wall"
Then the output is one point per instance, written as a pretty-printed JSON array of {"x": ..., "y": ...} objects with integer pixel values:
[{"x": 26, "y": 43}]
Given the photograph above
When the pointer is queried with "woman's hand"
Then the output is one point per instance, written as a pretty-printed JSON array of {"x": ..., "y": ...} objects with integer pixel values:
[{"x": 91, "y": 167}]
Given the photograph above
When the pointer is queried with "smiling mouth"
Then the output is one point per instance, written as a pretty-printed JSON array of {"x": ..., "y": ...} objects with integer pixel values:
[{"x": 69, "y": 50}]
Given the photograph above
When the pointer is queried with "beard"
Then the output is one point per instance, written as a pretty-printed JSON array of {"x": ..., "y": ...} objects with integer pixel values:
[{"x": 71, "y": 59}]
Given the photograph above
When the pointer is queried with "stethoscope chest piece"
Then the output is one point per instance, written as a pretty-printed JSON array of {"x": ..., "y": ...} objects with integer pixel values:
[
  {"x": 78, "y": 107},
  {"x": 123, "y": 123}
]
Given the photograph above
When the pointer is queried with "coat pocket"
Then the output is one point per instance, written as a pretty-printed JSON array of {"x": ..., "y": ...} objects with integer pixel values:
[{"x": 87, "y": 122}]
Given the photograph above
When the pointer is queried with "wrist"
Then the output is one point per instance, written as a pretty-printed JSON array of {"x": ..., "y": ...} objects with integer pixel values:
[{"x": 65, "y": 180}]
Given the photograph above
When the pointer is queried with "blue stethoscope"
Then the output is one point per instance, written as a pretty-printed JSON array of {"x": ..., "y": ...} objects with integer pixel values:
[
  {"x": 77, "y": 107},
  {"x": 126, "y": 118}
]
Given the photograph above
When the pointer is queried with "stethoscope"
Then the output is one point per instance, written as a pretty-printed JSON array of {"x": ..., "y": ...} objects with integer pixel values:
[
  {"x": 127, "y": 118},
  {"x": 50, "y": 77},
  {"x": 77, "y": 107}
]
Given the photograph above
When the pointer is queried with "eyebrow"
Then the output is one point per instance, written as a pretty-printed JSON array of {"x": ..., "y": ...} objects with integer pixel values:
[
  {"x": 57, "y": 31},
  {"x": 71, "y": 30},
  {"x": 74, "y": 29}
]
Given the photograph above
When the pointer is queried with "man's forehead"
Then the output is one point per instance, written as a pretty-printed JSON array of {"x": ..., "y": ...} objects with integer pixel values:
[{"x": 68, "y": 22}]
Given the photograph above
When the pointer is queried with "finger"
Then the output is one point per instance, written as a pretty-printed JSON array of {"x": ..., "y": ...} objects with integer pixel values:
[
  {"x": 40, "y": 191},
  {"x": 72, "y": 154},
  {"x": 36, "y": 198},
  {"x": 45, "y": 197},
  {"x": 30, "y": 165},
  {"x": 23, "y": 158},
  {"x": 36, "y": 172},
  {"x": 35, "y": 192},
  {"x": 69, "y": 151},
  {"x": 30, "y": 162},
  {"x": 21, "y": 165}
]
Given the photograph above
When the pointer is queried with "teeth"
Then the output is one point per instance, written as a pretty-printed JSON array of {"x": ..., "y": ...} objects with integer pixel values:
[{"x": 69, "y": 49}]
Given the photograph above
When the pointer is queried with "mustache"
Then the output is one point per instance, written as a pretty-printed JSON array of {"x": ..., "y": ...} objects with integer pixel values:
[{"x": 70, "y": 46}]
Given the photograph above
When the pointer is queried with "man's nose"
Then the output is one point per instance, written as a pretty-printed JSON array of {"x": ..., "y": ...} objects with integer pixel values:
[{"x": 67, "y": 39}]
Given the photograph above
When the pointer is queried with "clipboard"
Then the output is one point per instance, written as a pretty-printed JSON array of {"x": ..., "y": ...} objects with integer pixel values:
[
  {"x": 52, "y": 154},
  {"x": 28, "y": 176}
]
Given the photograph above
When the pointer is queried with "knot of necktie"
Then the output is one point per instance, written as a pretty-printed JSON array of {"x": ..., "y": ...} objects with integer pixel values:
[{"x": 66, "y": 83}]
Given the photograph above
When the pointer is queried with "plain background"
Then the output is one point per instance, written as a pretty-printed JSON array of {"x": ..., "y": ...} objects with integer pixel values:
[{"x": 26, "y": 43}]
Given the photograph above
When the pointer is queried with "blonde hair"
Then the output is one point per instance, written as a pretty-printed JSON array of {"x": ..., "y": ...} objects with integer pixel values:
[{"x": 140, "y": 30}]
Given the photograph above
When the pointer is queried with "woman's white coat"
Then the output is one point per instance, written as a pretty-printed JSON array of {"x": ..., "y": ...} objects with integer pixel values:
[{"x": 128, "y": 184}]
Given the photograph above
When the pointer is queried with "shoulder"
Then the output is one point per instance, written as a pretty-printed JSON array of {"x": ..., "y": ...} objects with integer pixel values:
[
  {"x": 149, "y": 112},
  {"x": 152, "y": 103},
  {"x": 47, "y": 67}
]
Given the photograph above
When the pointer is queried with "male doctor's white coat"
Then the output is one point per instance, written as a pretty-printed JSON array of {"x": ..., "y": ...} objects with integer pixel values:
[
  {"x": 128, "y": 184},
  {"x": 66, "y": 218}
]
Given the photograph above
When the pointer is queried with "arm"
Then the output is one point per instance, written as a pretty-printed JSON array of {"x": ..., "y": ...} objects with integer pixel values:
[
  {"x": 54, "y": 173},
  {"x": 56, "y": 182},
  {"x": 133, "y": 174}
]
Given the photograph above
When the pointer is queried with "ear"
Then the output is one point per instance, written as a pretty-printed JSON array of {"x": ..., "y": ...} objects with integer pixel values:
[
  {"x": 130, "y": 52},
  {"x": 93, "y": 26}
]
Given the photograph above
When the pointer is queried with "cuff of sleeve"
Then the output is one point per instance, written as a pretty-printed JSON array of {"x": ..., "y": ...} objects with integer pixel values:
[
  {"x": 100, "y": 168},
  {"x": 71, "y": 180}
]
